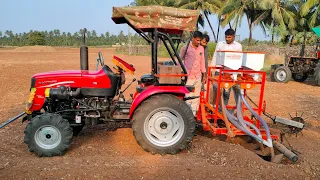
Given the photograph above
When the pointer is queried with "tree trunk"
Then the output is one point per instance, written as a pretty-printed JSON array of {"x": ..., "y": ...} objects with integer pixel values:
[
  {"x": 272, "y": 32},
  {"x": 250, "y": 32},
  {"x": 214, "y": 36},
  {"x": 250, "y": 36},
  {"x": 218, "y": 29}
]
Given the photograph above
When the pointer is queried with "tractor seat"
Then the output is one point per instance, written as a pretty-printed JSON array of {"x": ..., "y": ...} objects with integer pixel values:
[{"x": 147, "y": 79}]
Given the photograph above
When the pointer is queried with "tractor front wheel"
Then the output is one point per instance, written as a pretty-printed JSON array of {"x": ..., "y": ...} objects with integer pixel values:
[
  {"x": 282, "y": 74},
  {"x": 48, "y": 135},
  {"x": 163, "y": 124}
]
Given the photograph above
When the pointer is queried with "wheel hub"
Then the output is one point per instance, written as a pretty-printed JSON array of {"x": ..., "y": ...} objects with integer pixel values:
[
  {"x": 48, "y": 137},
  {"x": 281, "y": 75},
  {"x": 164, "y": 127}
]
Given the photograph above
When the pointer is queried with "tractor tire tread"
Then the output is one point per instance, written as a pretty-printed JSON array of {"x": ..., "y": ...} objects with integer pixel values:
[
  {"x": 287, "y": 70},
  {"x": 151, "y": 103},
  {"x": 48, "y": 119}
]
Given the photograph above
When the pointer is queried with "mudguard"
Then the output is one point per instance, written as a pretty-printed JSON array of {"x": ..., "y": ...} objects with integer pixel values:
[{"x": 179, "y": 91}]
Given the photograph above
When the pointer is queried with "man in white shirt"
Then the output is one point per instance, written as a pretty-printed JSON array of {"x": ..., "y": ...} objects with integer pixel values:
[{"x": 228, "y": 45}]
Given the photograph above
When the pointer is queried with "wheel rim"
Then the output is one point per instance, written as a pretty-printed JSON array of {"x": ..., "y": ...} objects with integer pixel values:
[
  {"x": 164, "y": 127},
  {"x": 48, "y": 137},
  {"x": 281, "y": 75}
]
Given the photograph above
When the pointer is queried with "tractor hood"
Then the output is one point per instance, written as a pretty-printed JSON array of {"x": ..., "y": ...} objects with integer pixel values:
[
  {"x": 56, "y": 78},
  {"x": 66, "y": 73},
  {"x": 73, "y": 78}
]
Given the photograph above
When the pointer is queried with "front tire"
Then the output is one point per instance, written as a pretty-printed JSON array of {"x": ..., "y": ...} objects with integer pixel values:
[
  {"x": 48, "y": 135},
  {"x": 282, "y": 74},
  {"x": 163, "y": 124}
]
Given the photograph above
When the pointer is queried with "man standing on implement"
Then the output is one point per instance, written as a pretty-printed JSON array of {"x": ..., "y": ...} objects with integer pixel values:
[
  {"x": 228, "y": 45},
  {"x": 195, "y": 65}
]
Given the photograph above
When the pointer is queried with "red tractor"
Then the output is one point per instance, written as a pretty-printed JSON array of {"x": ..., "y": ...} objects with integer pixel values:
[{"x": 61, "y": 103}]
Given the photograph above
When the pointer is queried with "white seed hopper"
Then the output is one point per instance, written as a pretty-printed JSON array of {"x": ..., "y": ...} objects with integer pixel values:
[
  {"x": 253, "y": 61},
  {"x": 230, "y": 60}
]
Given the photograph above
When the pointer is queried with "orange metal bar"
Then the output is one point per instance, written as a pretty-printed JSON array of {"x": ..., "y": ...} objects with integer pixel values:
[{"x": 246, "y": 82}]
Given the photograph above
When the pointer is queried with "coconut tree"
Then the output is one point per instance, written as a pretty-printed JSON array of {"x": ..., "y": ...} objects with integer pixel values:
[
  {"x": 235, "y": 10},
  {"x": 311, "y": 7},
  {"x": 206, "y": 6},
  {"x": 282, "y": 15}
]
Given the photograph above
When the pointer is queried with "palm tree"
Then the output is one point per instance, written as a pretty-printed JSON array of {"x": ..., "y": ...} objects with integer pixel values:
[
  {"x": 282, "y": 12},
  {"x": 311, "y": 7},
  {"x": 236, "y": 9},
  {"x": 206, "y": 6},
  {"x": 281, "y": 20}
]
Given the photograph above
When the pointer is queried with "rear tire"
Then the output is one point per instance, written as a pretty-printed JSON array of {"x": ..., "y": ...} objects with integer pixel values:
[
  {"x": 282, "y": 74},
  {"x": 163, "y": 124},
  {"x": 300, "y": 77},
  {"x": 48, "y": 135}
]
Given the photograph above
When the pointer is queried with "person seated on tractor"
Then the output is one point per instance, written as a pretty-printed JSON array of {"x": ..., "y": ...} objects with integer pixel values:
[
  {"x": 228, "y": 45},
  {"x": 194, "y": 62}
]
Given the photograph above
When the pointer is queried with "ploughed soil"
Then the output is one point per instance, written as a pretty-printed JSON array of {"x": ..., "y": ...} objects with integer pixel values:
[{"x": 100, "y": 153}]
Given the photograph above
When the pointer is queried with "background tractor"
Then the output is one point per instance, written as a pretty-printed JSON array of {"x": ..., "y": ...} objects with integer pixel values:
[{"x": 298, "y": 66}]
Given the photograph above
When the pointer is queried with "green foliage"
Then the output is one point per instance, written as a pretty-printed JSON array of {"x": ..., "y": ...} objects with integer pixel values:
[
  {"x": 170, "y": 3},
  {"x": 311, "y": 38},
  {"x": 311, "y": 10},
  {"x": 58, "y": 38},
  {"x": 36, "y": 38},
  {"x": 211, "y": 48}
]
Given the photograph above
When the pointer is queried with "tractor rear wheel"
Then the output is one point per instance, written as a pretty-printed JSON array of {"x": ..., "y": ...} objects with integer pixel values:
[
  {"x": 300, "y": 77},
  {"x": 48, "y": 135},
  {"x": 282, "y": 74},
  {"x": 163, "y": 124}
]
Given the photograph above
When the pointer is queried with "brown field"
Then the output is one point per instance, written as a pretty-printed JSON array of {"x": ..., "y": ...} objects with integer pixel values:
[{"x": 98, "y": 153}]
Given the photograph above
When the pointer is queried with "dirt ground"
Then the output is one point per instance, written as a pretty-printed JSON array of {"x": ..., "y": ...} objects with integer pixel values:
[{"x": 98, "y": 153}]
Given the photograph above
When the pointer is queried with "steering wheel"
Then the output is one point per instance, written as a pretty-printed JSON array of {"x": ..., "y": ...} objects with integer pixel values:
[{"x": 100, "y": 60}]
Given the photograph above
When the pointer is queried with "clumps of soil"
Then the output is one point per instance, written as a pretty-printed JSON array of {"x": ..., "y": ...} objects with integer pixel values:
[
  {"x": 217, "y": 152},
  {"x": 35, "y": 49}
]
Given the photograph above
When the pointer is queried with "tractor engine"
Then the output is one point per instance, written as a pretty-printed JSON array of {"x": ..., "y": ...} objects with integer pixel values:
[
  {"x": 85, "y": 110},
  {"x": 303, "y": 65}
]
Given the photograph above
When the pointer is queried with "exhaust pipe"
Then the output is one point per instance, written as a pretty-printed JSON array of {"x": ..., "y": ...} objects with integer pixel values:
[{"x": 84, "y": 52}]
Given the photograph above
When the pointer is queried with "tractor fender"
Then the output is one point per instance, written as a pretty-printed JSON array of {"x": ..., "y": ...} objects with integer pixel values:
[{"x": 179, "y": 91}]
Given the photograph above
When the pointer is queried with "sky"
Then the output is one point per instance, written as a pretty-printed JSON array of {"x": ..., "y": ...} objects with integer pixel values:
[{"x": 72, "y": 15}]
